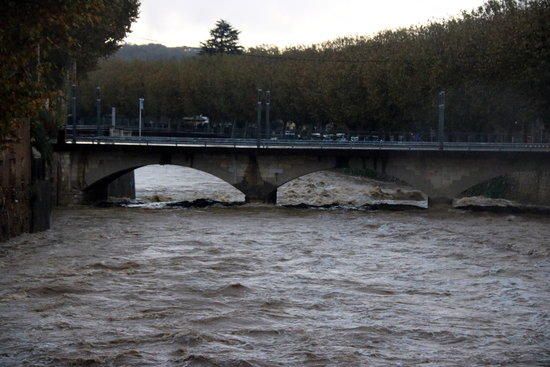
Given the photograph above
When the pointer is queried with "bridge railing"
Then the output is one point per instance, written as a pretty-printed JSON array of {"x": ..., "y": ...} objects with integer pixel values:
[
  {"x": 307, "y": 143},
  {"x": 90, "y": 130}
]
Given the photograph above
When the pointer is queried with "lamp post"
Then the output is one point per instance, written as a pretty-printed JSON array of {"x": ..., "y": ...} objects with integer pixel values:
[
  {"x": 113, "y": 117},
  {"x": 98, "y": 109},
  {"x": 140, "y": 109},
  {"x": 267, "y": 110},
  {"x": 233, "y": 130},
  {"x": 73, "y": 92},
  {"x": 441, "y": 128},
  {"x": 259, "y": 120}
]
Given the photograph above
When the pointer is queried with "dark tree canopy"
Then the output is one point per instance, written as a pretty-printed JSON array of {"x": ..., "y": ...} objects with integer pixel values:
[
  {"x": 224, "y": 40},
  {"x": 40, "y": 41},
  {"x": 493, "y": 63}
]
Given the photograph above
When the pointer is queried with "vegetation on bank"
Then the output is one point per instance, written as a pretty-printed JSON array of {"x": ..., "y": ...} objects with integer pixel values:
[
  {"x": 46, "y": 45},
  {"x": 493, "y": 62}
]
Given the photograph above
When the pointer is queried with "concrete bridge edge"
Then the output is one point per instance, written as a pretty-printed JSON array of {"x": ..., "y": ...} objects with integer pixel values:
[{"x": 258, "y": 175}]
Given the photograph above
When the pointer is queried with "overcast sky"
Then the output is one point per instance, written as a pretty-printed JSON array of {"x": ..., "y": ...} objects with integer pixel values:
[{"x": 283, "y": 22}]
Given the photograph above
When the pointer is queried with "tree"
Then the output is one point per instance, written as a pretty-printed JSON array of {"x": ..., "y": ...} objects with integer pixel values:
[
  {"x": 41, "y": 40},
  {"x": 491, "y": 62},
  {"x": 224, "y": 40}
]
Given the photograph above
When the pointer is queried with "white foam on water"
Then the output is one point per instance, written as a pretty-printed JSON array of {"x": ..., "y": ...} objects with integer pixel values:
[{"x": 175, "y": 183}]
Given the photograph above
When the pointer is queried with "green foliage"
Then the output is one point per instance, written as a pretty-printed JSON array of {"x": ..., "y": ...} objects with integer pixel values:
[
  {"x": 224, "y": 39},
  {"x": 493, "y": 63},
  {"x": 41, "y": 40}
]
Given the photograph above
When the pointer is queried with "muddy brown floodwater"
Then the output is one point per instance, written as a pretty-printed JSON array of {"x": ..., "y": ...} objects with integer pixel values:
[{"x": 265, "y": 286}]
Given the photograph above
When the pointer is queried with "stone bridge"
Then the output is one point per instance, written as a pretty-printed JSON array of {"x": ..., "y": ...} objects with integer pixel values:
[{"x": 85, "y": 171}]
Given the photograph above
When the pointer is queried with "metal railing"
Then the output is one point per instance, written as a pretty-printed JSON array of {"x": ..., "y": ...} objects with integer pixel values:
[
  {"x": 253, "y": 143},
  {"x": 541, "y": 136}
]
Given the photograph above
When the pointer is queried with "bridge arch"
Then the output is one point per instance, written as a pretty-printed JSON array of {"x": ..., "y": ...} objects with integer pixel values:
[
  {"x": 126, "y": 184},
  {"x": 87, "y": 174},
  {"x": 525, "y": 186},
  {"x": 444, "y": 176},
  {"x": 258, "y": 173}
]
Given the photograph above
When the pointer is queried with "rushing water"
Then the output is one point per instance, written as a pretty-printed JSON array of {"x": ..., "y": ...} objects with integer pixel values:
[
  {"x": 266, "y": 286},
  {"x": 176, "y": 183}
]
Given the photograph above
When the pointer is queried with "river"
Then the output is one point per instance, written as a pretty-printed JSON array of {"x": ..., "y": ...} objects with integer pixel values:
[{"x": 259, "y": 285}]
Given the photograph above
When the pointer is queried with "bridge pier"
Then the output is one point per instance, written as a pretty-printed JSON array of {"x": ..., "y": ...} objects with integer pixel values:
[
  {"x": 123, "y": 187},
  {"x": 95, "y": 194},
  {"x": 259, "y": 194},
  {"x": 440, "y": 202},
  {"x": 253, "y": 185},
  {"x": 86, "y": 171}
]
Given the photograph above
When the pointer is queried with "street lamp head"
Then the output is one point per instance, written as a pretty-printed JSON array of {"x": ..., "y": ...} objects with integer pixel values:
[{"x": 442, "y": 97}]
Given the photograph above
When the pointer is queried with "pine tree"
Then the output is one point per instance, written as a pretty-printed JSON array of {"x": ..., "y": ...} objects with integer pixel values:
[{"x": 224, "y": 40}]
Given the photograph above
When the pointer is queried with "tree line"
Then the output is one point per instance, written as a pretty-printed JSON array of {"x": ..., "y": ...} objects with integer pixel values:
[{"x": 493, "y": 63}]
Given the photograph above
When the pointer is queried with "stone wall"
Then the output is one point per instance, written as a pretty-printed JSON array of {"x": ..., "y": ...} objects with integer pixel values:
[
  {"x": 15, "y": 181},
  {"x": 63, "y": 181},
  {"x": 531, "y": 187}
]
